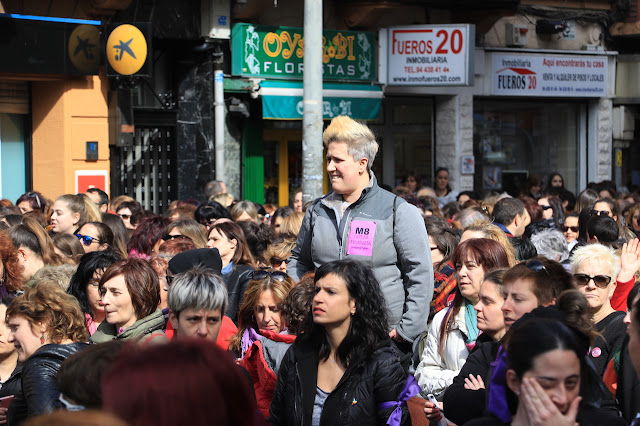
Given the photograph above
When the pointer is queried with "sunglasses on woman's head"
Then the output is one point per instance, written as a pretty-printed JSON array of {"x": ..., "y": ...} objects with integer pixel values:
[
  {"x": 34, "y": 195},
  {"x": 87, "y": 240},
  {"x": 261, "y": 274},
  {"x": 601, "y": 281},
  {"x": 573, "y": 228},
  {"x": 167, "y": 237}
]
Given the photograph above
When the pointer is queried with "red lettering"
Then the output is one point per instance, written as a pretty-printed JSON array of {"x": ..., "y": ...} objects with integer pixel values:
[
  {"x": 456, "y": 36},
  {"x": 441, "y": 50}
]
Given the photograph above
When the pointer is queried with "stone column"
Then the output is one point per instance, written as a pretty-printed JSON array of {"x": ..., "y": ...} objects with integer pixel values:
[
  {"x": 194, "y": 128},
  {"x": 454, "y": 136}
]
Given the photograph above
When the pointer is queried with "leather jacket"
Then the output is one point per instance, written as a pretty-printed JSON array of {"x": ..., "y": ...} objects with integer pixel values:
[{"x": 39, "y": 389}]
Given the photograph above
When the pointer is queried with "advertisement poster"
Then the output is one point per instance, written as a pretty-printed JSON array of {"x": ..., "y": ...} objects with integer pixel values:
[
  {"x": 431, "y": 55},
  {"x": 549, "y": 75}
]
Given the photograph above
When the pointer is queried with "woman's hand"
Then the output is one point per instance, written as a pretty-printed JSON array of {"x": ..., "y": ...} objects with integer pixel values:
[
  {"x": 629, "y": 260},
  {"x": 433, "y": 412},
  {"x": 3, "y": 415},
  {"x": 541, "y": 410},
  {"x": 473, "y": 383}
]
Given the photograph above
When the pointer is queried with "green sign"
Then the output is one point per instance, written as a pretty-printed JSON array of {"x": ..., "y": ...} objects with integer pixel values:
[
  {"x": 282, "y": 100},
  {"x": 277, "y": 52}
]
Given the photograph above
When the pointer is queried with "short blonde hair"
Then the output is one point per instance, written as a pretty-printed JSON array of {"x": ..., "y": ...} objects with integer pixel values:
[
  {"x": 494, "y": 233},
  {"x": 292, "y": 223},
  {"x": 599, "y": 253},
  {"x": 361, "y": 143}
]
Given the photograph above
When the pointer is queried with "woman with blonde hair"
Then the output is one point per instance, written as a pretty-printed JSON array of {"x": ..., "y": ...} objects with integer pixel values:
[
  {"x": 187, "y": 228},
  {"x": 292, "y": 223},
  {"x": 244, "y": 210},
  {"x": 260, "y": 312},
  {"x": 35, "y": 247},
  {"x": 69, "y": 212},
  {"x": 483, "y": 229},
  {"x": 46, "y": 325},
  {"x": 279, "y": 252}
]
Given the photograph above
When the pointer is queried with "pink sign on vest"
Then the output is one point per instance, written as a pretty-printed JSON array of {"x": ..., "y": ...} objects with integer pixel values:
[{"x": 361, "y": 236}]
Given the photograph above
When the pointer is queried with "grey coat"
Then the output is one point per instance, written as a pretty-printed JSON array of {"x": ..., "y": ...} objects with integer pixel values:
[{"x": 400, "y": 256}]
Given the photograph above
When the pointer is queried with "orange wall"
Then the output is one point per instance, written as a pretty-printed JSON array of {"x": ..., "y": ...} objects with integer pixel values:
[{"x": 66, "y": 114}]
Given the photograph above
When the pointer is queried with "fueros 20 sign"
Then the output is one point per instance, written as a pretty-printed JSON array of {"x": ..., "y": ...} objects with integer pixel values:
[
  {"x": 278, "y": 52},
  {"x": 430, "y": 55}
]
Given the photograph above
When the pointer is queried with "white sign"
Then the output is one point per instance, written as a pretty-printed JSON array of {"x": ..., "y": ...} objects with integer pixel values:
[
  {"x": 549, "y": 75},
  {"x": 431, "y": 55}
]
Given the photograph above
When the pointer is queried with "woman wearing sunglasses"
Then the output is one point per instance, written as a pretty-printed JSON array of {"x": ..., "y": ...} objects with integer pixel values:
[
  {"x": 260, "y": 312},
  {"x": 95, "y": 236},
  {"x": 187, "y": 228},
  {"x": 571, "y": 230},
  {"x": 595, "y": 268},
  {"x": 237, "y": 262}
]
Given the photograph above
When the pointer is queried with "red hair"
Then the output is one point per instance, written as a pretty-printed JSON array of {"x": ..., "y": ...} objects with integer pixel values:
[
  {"x": 191, "y": 382},
  {"x": 12, "y": 268}
]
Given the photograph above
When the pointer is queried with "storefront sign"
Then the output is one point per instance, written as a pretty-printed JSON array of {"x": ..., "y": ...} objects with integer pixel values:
[
  {"x": 549, "y": 75},
  {"x": 128, "y": 49},
  {"x": 431, "y": 55},
  {"x": 278, "y": 52},
  {"x": 282, "y": 100}
]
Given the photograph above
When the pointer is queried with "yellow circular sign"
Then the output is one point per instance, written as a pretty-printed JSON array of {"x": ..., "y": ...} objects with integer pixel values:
[
  {"x": 126, "y": 49},
  {"x": 84, "y": 48}
]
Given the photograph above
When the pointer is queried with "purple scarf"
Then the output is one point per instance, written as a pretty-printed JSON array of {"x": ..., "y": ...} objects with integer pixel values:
[
  {"x": 498, "y": 405},
  {"x": 411, "y": 389},
  {"x": 248, "y": 337}
]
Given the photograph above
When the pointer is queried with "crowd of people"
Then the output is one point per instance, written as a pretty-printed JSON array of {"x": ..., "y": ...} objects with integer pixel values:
[{"x": 370, "y": 305}]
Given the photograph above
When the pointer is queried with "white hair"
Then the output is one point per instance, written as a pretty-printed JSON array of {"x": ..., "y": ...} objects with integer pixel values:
[{"x": 599, "y": 253}]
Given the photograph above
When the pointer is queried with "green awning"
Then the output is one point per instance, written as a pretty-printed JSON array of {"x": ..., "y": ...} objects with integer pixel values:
[{"x": 282, "y": 100}]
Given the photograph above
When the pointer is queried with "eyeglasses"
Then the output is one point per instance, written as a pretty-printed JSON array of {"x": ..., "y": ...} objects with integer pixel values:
[
  {"x": 70, "y": 406},
  {"x": 545, "y": 208},
  {"x": 261, "y": 274},
  {"x": 573, "y": 228},
  {"x": 599, "y": 213},
  {"x": 124, "y": 216},
  {"x": 87, "y": 240},
  {"x": 277, "y": 262},
  {"x": 601, "y": 281},
  {"x": 167, "y": 237},
  {"x": 34, "y": 195}
]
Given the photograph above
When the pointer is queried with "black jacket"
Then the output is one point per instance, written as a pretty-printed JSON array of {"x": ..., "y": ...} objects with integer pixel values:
[
  {"x": 236, "y": 280},
  {"x": 587, "y": 416},
  {"x": 39, "y": 389},
  {"x": 13, "y": 385},
  {"x": 366, "y": 383},
  {"x": 460, "y": 404},
  {"x": 628, "y": 392}
]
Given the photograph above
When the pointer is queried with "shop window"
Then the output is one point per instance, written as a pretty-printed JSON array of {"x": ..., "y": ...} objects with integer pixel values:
[
  {"x": 12, "y": 156},
  {"x": 513, "y": 139}
]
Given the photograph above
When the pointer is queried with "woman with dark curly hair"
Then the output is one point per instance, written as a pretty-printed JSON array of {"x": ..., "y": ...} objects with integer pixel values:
[
  {"x": 147, "y": 237},
  {"x": 84, "y": 285},
  {"x": 343, "y": 368},
  {"x": 10, "y": 267},
  {"x": 46, "y": 326}
]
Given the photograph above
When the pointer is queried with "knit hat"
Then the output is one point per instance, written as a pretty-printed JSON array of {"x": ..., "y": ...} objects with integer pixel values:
[{"x": 207, "y": 257}]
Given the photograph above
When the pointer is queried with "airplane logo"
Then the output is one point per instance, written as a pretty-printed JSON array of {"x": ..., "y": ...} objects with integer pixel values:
[
  {"x": 123, "y": 48},
  {"x": 85, "y": 47}
]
